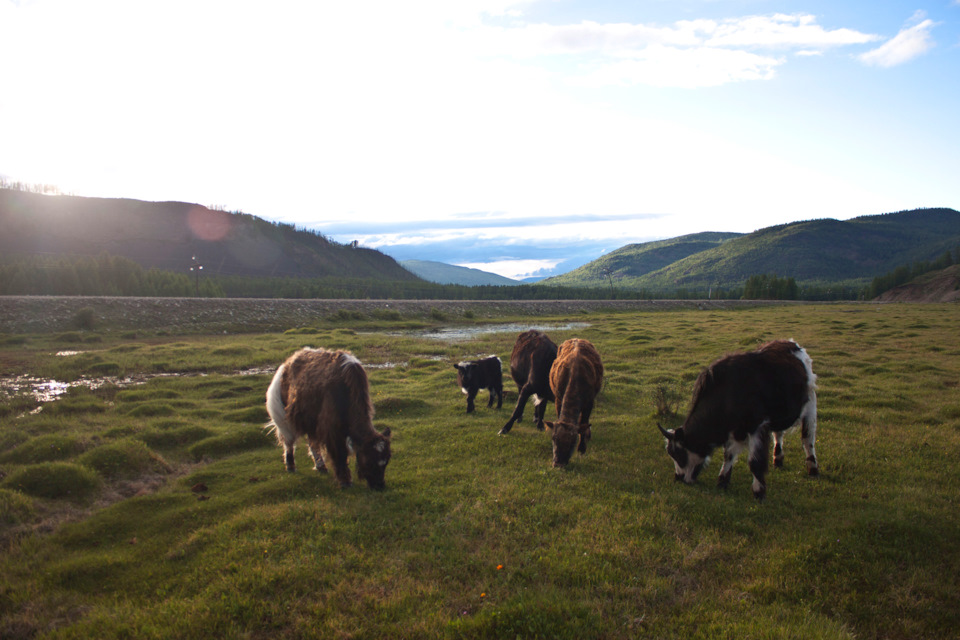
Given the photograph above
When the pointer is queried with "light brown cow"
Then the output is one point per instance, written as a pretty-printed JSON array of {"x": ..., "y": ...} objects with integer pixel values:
[
  {"x": 325, "y": 396},
  {"x": 576, "y": 378}
]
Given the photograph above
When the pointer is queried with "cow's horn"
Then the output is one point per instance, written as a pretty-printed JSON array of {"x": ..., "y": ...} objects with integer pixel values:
[{"x": 669, "y": 435}]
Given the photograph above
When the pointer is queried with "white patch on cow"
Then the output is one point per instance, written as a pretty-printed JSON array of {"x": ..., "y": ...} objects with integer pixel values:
[
  {"x": 693, "y": 461},
  {"x": 465, "y": 392},
  {"x": 463, "y": 364},
  {"x": 380, "y": 446},
  {"x": 536, "y": 400},
  {"x": 804, "y": 357},
  {"x": 731, "y": 450},
  {"x": 349, "y": 359}
]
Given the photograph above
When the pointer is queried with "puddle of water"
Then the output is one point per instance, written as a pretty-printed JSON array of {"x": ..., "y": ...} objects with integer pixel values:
[
  {"x": 44, "y": 390},
  {"x": 461, "y": 334}
]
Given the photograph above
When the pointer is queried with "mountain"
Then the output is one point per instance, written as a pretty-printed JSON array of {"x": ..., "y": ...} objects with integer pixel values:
[
  {"x": 167, "y": 235},
  {"x": 813, "y": 251},
  {"x": 443, "y": 273}
]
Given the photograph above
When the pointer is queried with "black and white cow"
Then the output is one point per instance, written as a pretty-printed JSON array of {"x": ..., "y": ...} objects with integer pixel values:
[
  {"x": 738, "y": 401},
  {"x": 486, "y": 373}
]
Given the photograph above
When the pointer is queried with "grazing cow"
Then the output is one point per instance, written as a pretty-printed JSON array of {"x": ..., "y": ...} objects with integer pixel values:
[
  {"x": 533, "y": 355},
  {"x": 575, "y": 379},
  {"x": 325, "y": 396},
  {"x": 738, "y": 401},
  {"x": 474, "y": 375}
]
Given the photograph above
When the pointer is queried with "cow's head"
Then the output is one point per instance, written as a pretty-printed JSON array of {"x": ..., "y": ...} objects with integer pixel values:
[
  {"x": 372, "y": 459},
  {"x": 687, "y": 465},
  {"x": 467, "y": 373},
  {"x": 565, "y": 438}
]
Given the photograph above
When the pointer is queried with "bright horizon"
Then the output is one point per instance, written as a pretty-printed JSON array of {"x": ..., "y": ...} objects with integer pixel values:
[{"x": 514, "y": 137}]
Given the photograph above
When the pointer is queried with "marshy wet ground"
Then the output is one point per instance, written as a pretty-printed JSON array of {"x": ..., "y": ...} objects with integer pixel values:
[{"x": 43, "y": 390}]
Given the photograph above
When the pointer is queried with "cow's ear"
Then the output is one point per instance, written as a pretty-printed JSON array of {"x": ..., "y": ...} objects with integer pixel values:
[
  {"x": 386, "y": 432},
  {"x": 457, "y": 367},
  {"x": 668, "y": 434},
  {"x": 548, "y": 425}
]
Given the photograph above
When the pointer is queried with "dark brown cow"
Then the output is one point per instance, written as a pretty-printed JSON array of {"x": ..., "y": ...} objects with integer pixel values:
[
  {"x": 325, "y": 396},
  {"x": 533, "y": 355},
  {"x": 576, "y": 378},
  {"x": 738, "y": 401}
]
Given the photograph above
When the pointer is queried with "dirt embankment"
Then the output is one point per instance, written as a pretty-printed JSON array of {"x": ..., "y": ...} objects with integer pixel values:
[
  {"x": 41, "y": 314},
  {"x": 938, "y": 286}
]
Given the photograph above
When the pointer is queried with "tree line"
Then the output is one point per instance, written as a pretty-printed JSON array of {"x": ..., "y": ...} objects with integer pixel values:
[
  {"x": 108, "y": 275},
  {"x": 906, "y": 273}
]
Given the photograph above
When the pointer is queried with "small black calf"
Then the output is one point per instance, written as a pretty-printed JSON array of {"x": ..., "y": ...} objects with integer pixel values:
[{"x": 474, "y": 375}]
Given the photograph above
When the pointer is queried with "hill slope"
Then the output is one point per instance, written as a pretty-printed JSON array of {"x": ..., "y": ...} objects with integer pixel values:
[
  {"x": 167, "y": 235},
  {"x": 823, "y": 250},
  {"x": 937, "y": 286},
  {"x": 443, "y": 273}
]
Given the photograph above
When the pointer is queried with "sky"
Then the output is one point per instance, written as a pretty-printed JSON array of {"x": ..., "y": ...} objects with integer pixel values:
[{"x": 521, "y": 137}]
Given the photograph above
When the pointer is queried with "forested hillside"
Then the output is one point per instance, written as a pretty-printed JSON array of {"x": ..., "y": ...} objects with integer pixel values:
[
  {"x": 814, "y": 252},
  {"x": 168, "y": 235}
]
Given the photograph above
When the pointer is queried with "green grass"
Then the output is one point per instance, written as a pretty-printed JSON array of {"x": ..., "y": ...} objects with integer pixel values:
[{"x": 477, "y": 536}]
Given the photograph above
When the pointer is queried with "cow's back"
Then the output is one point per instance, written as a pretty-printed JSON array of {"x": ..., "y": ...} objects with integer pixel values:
[
  {"x": 319, "y": 380},
  {"x": 578, "y": 364},
  {"x": 532, "y": 353}
]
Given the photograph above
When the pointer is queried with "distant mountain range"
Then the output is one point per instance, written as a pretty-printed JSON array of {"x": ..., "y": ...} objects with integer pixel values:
[
  {"x": 443, "y": 273},
  {"x": 815, "y": 251},
  {"x": 168, "y": 235}
]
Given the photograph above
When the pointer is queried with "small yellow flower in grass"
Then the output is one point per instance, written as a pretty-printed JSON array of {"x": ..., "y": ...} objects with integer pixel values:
[
  {"x": 483, "y": 595},
  {"x": 499, "y": 566}
]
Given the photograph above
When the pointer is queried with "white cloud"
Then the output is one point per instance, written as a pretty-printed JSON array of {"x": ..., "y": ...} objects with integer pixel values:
[
  {"x": 687, "y": 53},
  {"x": 661, "y": 66},
  {"x": 782, "y": 31},
  {"x": 905, "y": 46},
  {"x": 516, "y": 269}
]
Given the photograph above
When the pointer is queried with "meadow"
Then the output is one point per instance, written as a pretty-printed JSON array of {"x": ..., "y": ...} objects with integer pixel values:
[{"x": 163, "y": 510}]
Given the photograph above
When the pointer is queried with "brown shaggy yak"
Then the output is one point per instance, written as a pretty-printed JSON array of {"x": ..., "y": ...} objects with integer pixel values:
[
  {"x": 576, "y": 378},
  {"x": 325, "y": 396}
]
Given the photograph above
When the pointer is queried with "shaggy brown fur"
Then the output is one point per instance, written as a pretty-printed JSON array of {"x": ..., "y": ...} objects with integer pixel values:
[
  {"x": 576, "y": 378},
  {"x": 325, "y": 396}
]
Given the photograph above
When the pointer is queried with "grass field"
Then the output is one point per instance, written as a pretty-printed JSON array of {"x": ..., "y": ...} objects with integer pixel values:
[{"x": 162, "y": 510}]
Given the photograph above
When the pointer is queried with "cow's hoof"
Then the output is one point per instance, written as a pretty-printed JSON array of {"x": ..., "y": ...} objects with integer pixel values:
[
  {"x": 320, "y": 469},
  {"x": 291, "y": 469},
  {"x": 503, "y": 432},
  {"x": 723, "y": 481},
  {"x": 778, "y": 463},
  {"x": 813, "y": 472},
  {"x": 346, "y": 485}
]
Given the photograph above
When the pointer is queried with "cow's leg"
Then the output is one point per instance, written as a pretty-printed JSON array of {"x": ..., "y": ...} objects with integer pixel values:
[
  {"x": 316, "y": 452},
  {"x": 341, "y": 458},
  {"x": 778, "y": 449},
  {"x": 731, "y": 449},
  {"x": 288, "y": 458},
  {"x": 540, "y": 410},
  {"x": 525, "y": 392},
  {"x": 499, "y": 390},
  {"x": 759, "y": 444},
  {"x": 808, "y": 431},
  {"x": 470, "y": 396},
  {"x": 490, "y": 401},
  {"x": 585, "y": 433}
]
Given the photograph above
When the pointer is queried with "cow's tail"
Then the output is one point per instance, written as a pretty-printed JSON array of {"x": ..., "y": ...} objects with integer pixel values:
[
  {"x": 358, "y": 388},
  {"x": 279, "y": 425}
]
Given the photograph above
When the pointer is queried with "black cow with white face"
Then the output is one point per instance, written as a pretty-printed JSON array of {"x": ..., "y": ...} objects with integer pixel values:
[
  {"x": 738, "y": 401},
  {"x": 486, "y": 373}
]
